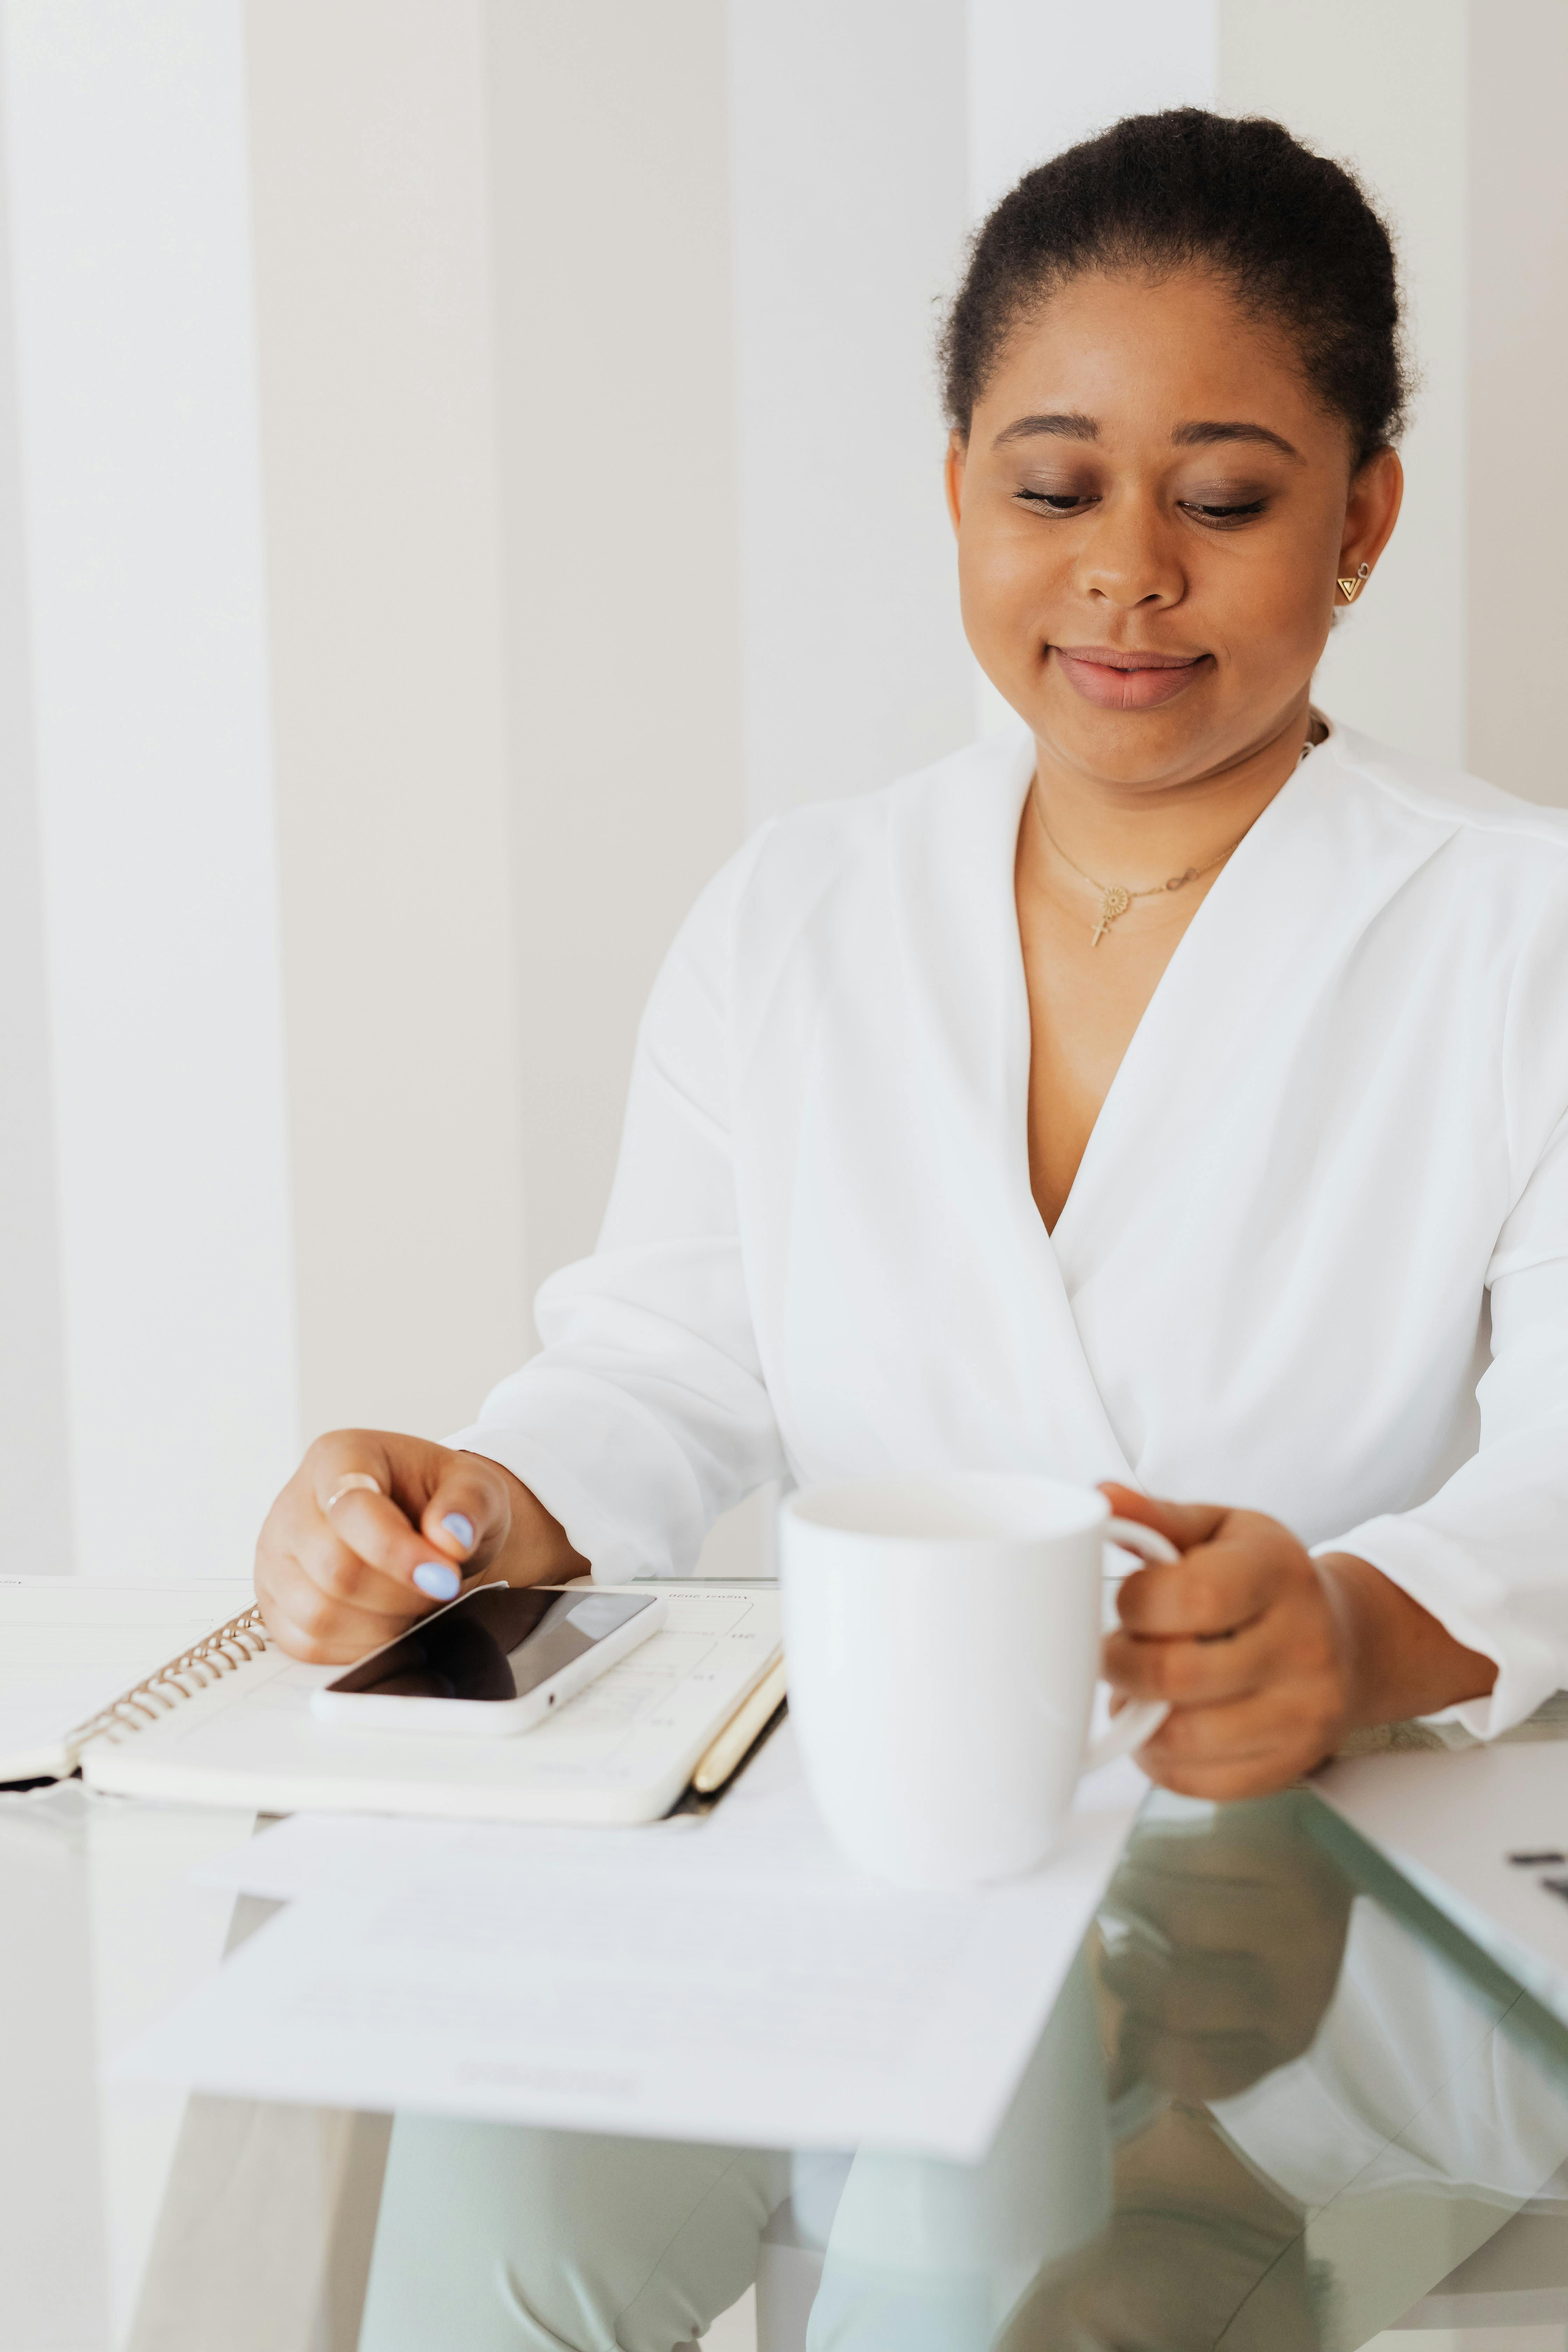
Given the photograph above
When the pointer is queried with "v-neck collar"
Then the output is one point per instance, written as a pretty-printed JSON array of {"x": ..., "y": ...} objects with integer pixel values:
[
  {"x": 1299, "y": 891},
  {"x": 1232, "y": 887},
  {"x": 962, "y": 965}
]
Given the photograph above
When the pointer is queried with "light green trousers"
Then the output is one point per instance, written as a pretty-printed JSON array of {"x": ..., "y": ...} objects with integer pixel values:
[{"x": 496, "y": 2238}]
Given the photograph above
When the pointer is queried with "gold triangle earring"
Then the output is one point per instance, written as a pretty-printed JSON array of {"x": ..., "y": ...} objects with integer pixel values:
[{"x": 1348, "y": 587}]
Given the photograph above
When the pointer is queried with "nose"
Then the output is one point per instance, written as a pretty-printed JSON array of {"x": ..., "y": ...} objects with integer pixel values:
[{"x": 1131, "y": 556}]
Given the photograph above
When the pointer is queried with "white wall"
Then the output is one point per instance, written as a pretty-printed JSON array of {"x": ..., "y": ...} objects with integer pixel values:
[
  {"x": 850, "y": 209},
  {"x": 1516, "y": 335},
  {"x": 1383, "y": 87},
  {"x": 1041, "y": 79},
  {"x": 374, "y": 295},
  {"x": 621, "y": 564},
  {"x": 145, "y": 635},
  {"x": 35, "y": 1455}
]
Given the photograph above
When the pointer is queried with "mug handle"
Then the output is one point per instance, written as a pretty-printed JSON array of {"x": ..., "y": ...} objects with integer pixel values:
[{"x": 1135, "y": 1724}]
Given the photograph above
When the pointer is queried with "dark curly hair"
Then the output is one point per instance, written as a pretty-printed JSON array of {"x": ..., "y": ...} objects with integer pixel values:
[{"x": 1295, "y": 235}]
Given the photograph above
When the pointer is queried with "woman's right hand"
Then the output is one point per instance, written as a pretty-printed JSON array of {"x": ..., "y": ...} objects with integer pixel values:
[{"x": 341, "y": 1567}]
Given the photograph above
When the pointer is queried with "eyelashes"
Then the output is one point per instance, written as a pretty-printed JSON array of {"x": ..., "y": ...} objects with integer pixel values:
[{"x": 1228, "y": 514}]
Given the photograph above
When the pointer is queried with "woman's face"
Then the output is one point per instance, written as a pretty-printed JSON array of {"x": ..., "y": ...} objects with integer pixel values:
[{"x": 1152, "y": 513}]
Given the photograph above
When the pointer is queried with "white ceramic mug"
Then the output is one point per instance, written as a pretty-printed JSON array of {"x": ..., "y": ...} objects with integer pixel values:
[{"x": 942, "y": 1638}]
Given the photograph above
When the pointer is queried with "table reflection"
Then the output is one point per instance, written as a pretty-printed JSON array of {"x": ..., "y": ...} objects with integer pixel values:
[
  {"x": 1216, "y": 1959},
  {"x": 1319, "y": 2102},
  {"x": 1279, "y": 2100}
]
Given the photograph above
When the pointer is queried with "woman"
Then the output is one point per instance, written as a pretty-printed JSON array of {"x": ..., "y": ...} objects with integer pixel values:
[{"x": 1172, "y": 1095}]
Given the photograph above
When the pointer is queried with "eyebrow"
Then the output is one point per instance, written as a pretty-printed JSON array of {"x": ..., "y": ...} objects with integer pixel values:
[
  {"x": 1199, "y": 435},
  {"x": 1072, "y": 425}
]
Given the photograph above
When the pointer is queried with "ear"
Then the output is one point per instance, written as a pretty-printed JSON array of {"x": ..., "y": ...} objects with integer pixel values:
[
  {"x": 957, "y": 456},
  {"x": 1372, "y": 510}
]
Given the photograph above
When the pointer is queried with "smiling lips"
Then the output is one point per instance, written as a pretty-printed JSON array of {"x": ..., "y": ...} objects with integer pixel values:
[{"x": 1122, "y": 680}]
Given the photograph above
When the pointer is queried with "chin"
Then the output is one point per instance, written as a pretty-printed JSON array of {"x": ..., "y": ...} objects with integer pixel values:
[{"x": 1123, "y": 747}]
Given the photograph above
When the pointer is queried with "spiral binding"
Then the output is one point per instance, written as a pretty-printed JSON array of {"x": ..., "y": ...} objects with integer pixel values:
[{"x": 194, "y": 1670}]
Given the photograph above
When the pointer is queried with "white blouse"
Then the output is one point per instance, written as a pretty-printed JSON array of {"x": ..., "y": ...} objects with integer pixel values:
[{"x": 1315, "y": 1261}]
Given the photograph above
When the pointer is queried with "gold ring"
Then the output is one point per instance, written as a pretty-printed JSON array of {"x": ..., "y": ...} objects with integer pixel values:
[{"x": 346, "y": 1485}]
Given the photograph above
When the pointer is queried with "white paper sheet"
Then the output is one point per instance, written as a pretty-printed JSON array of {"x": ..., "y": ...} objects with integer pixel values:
[
  {"x": 744, "y": 1984},
  {"x": 324, "y": 1853},
  {"x": 327, "y": 1854}
]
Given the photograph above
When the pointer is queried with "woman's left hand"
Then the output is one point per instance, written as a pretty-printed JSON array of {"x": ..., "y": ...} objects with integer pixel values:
[
  {"x": 1266, "y": 1655},
  {"x": 1246, "y": 1636}
]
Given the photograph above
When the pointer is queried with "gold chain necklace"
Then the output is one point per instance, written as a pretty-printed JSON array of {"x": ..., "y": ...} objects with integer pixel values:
[{"x": 1115, "y": 898}]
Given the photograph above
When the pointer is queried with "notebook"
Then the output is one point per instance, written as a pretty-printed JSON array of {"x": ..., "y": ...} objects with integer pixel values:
[{"x": 227, "y": 1721}]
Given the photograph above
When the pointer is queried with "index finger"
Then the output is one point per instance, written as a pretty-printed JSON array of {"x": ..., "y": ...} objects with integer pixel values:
[
  {"x": 346, "y": 1464},
  {"x": 351, "y": 1479},
  {"x": 374, "y": 1530},
  {"x": 1214, "y": 1589}
]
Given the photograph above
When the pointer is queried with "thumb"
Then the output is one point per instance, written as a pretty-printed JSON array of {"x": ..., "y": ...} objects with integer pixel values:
[
  {"x": 1185, "y": 1524},
  {"x": 468, "y": 1515}
]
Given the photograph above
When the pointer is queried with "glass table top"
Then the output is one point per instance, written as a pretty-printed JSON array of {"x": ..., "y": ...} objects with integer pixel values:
[{"x": 1282, "y": 2105}]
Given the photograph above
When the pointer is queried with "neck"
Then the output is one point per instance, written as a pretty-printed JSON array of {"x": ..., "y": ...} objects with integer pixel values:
[{"x": 1138, "y": 832}]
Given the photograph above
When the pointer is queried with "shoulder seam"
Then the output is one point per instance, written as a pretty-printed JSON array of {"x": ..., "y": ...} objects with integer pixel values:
[{"x": 1521, "y": 820}]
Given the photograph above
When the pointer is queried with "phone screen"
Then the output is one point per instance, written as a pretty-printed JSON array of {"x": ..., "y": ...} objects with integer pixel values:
[{"x": 495, "y": 1643}]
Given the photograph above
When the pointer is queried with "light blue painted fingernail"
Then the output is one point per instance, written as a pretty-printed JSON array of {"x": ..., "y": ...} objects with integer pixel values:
[
  {"x": 459, "y": 1528},
  {"x": 438, "y": 1579}
]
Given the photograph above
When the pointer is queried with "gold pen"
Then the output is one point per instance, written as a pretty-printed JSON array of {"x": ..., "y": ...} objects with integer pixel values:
[{"x": 717, "y": 1761}]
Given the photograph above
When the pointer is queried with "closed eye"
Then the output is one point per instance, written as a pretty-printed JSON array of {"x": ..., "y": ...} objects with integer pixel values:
[
  {"x": 1057, "y": 501},
  {"x": 1221, "y": 516}
]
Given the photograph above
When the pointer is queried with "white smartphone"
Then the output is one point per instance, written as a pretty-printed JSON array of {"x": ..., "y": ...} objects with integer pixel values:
[{"x": 496, "y": 1660}]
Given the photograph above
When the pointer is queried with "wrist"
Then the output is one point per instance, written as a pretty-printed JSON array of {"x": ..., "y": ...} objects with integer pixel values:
[
  {"x": 1399, "y": 1661},
  {"x": 537, "y": 1549}
]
